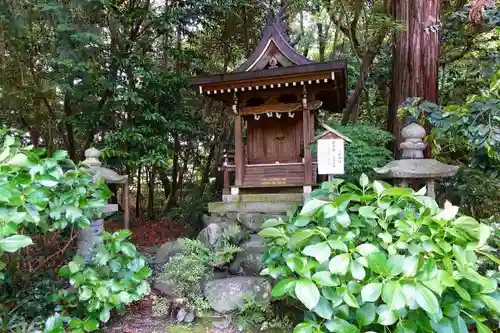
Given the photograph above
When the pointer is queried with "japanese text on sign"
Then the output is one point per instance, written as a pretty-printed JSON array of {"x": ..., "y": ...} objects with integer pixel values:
[{"x": 331, "y": 156}]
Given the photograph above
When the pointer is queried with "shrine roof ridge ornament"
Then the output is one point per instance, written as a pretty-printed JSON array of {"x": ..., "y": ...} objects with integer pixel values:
[{"x": 275, "y": 35}]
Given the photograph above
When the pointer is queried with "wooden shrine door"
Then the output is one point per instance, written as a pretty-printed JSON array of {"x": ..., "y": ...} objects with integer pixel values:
[{"x": 271, "y": 140}]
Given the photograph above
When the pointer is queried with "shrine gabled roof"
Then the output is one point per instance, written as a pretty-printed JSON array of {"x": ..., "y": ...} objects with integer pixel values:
[{"x": 274, "y": 46}]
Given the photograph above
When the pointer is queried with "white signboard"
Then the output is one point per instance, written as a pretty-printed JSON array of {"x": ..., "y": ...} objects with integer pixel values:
[{"x": 331, "y": 157}]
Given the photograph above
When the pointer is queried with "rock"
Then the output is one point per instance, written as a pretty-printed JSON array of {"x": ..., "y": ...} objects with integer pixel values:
[
  {"x": 220, "y": 218},
  {"x": 165, "y": 287},
  {"x": 167, "y": 250},
  {"x": 226, "y": 295},
  {"x": 248, "y": 262},
  {"x": 189, "y": 317},
  {"x": 181, "y": 315},
  {"x": 253, "y": 221},
  {"x": 211, "y": 234},
  {"x": 255, "y": 242}
]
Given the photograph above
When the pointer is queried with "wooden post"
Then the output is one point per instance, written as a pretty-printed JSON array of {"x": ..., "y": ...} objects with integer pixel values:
[
  {"x": 307, "y": 140},
  {"x": 238, "y": 154}
]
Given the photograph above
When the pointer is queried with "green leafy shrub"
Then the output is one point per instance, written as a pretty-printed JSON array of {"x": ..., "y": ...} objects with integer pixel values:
[
  {"x": 188, "y": 269},
  {"x": 261, "y": 316},
  {"x": 40, "y": 194},
  {"x": 373, "y": 258},
  {"x": 367, "y": 149},
  {"x": 115, "y": 276}
]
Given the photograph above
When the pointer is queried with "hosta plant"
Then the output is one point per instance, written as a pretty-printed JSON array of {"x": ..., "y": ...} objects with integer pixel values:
[{"x": 373, "y": 258}]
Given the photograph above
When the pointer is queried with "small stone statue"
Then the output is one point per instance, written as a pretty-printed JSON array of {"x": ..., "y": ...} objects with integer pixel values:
[{"x": 413, "y": 145}]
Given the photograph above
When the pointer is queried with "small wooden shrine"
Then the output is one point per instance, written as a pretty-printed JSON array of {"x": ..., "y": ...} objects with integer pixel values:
[{"x": 274, "y": 97}]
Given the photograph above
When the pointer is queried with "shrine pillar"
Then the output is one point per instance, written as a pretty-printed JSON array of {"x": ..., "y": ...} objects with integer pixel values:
[
  {"x": 306, "y": 118},
  {"x": 238, "y": 150}
]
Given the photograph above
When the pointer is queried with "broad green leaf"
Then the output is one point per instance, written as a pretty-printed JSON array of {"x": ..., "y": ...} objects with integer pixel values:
[
  {"x": 357, "y": 270},
  {"x": 410, "y": 266},
  {"x": 459, "y": 325},
  {"x": 395, "y": 264},
  {"x": 377, "y": 261},
  {"x": 409, "y": 294},
  {"x": 329, "y": 211},
  {"x": 60, "y": 155},
  {"x": 340, "y": 264},
  {"x": 337, "y": 245},
  {"x": 300, "y": 236},
  {"x": 427, "y": 300},
  {"x": 406, "y": 327},
  {"x": 488, "y": 285},
  {"x": 19, "y": 160},
  {"x": 396, "y": 192},
  {"x": 371, "y": 292},
  {"x": 104, "y": 315},
  {"x": 332, "y": 295},
  {"x": 343, "y": 219},
  {"x": 428, "y": 271},
  {"x": 312, "y": 206},
  {"x": 338, "y": 325},
  {"x": 284, "y": 287},
  {"x": 323, "y": 309},
  {"x": 443, "y": 326},
  {"x": 326, "y": 279},
  {"x": 386, "y": 317},
  {"x": 271, "y": 232},
  {"x": 48, "y": 182},
  {"x": 368, "y": 212},
  {"x": 482, "y": 328},
  {"x": 128, "y": 249},
  {"x": 366, "y": 314},
  {"x": 85, "y": 293},
  {"x": 392, "y": 295},
  {"x": 13, "y": 243},
  {"x": 468, "y": 225},
  {"x": 484, "y": 234},
  {"x": 366, "y": 249},
  {"x": 306, "y": 328},
  {"x": 452, "y": 310},
  {"x": 90, "y": 324},
  {"x": 350, "y": 300},
  {"x": 307, "y": 293},
  {"x": 272, "y": 223},
  {"x": 492, "y": 303},
  {"x": 320, "y": 251},
  {"x": 386, "y": 237}
]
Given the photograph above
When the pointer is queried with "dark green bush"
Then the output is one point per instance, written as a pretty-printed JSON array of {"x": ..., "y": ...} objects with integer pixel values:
[{"x": 373, "y": 258}]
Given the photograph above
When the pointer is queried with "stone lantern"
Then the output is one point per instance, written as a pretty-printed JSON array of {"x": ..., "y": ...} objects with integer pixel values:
[
  {"x": 413, "y": 165},
  {"x": 89, "y": 237}
]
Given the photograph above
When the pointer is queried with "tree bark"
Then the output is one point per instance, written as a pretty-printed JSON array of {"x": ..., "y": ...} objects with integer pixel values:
[
  {"x": 138, "y": 194},
  {"x": 151, "y": 193},
  {"x": 415, "y": 57}
]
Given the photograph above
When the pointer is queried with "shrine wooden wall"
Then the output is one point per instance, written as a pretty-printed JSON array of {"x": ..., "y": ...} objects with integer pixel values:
[{"x": 271, "y": 140}]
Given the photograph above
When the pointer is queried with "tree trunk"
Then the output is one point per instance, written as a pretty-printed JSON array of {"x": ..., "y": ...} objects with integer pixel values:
[
  {"x": 138, "y": 194},
  {"x": 151, "y": 193},
  {"x": 415, "y": 57}
]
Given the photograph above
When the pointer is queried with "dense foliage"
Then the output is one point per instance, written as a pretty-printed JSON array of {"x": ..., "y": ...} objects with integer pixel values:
[
  {"x": 49, "y": 196},
  {"x": 367, "y": 150},
  {"x": 371, "y": 257},
  {"x": 41, "y": 194},
  {"x": 187, "y": 270}
]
